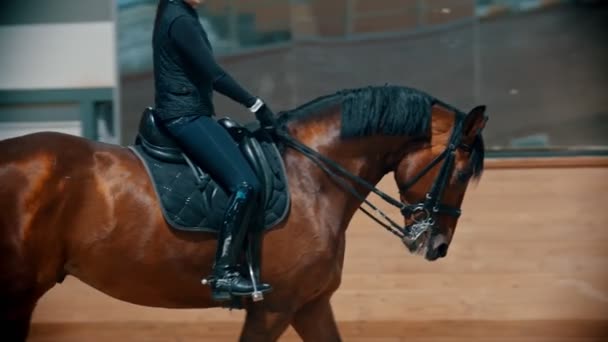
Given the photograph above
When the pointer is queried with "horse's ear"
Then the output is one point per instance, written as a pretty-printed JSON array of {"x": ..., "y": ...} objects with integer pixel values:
[{"x": 475, "y": 122}]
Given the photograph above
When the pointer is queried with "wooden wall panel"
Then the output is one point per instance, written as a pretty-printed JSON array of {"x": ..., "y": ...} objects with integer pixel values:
[{"x": 529, "y": 263}]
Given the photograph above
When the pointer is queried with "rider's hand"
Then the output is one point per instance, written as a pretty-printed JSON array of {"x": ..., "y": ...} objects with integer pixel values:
[{"x": 264, "y": 115}]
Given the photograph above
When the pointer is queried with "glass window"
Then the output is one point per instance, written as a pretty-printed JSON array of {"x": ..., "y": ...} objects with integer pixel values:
[{"x": 539, "y": 66}]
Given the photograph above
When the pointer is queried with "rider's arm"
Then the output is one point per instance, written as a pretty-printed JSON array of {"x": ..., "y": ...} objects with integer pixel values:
[{"x": 187, "y": 38}]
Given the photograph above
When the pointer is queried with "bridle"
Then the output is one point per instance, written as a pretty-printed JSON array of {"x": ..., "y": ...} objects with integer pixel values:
[{"x": 423, "y": 214}]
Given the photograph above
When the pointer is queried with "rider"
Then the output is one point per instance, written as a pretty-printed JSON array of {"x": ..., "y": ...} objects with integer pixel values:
[{"x": 185, "y": 74}]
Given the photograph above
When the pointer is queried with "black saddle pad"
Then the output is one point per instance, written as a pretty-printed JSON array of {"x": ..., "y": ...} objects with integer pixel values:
[{"x": 192, "y": 207}]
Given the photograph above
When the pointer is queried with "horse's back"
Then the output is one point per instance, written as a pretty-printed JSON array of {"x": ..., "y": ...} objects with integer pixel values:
[
  {"x": 44, "y": 144},
  {"x": 59, "y": 156}
]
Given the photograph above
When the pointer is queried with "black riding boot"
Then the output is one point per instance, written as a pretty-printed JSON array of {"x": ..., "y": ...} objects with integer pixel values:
[{"x": 227, "y": 278}]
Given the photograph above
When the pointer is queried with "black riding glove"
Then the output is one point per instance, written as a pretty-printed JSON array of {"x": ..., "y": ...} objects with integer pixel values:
[{"x": 264, "y": 115}]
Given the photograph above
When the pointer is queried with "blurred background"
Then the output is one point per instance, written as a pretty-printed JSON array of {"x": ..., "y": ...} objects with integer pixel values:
[
  {"x": 58, "y": 68},
  {"x": 541, "y": 66}
]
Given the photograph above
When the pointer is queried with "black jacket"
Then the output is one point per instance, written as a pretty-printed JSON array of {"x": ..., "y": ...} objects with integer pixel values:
[{"x": 185, "y": 71}]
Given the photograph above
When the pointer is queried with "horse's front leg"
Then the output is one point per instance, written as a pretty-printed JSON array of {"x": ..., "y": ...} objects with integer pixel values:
[
  {"x": 315, "y": 321},
  {"x": 262, "y": 325}
]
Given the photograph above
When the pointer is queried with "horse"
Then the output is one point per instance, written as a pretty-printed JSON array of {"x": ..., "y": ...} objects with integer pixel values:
[{"x": 72, "y": 206}]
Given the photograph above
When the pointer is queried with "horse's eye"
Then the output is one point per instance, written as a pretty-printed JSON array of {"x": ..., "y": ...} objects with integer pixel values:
[{"x": 463, "y": 176}]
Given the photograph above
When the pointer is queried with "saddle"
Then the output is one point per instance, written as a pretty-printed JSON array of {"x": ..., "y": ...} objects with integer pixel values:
[{"x": 192, "y": 201}]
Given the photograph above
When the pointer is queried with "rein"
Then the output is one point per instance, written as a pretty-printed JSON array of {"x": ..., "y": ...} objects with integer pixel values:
[
  {"x": 423, "y": 213},
  {"x": 323, "y": 162}
]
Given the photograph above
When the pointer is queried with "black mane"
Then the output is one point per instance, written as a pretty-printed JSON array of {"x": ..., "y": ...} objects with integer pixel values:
[{"x": 382, "y": 110}]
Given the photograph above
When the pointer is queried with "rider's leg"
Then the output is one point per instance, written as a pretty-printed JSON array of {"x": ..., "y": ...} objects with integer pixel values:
[{"x": 214, "y": 150}]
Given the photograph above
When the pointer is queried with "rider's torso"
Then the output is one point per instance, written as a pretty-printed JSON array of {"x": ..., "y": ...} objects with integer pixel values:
[{"x": 178, "y": 89}]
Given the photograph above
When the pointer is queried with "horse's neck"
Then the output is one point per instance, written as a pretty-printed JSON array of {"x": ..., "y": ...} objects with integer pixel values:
[{"x": 362, "y": 157}]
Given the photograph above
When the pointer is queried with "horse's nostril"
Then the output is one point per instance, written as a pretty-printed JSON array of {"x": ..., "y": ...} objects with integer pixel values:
[{"x": 442, "y": 250}]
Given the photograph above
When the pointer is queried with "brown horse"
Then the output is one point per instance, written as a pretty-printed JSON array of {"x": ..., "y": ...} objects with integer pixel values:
[{"x": 69, "y": 206}]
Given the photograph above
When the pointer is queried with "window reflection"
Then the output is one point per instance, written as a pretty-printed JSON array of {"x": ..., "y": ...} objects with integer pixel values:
[{"x": 539, "y": 66}]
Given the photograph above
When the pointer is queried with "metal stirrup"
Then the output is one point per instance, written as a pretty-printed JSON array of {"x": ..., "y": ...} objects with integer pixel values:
[{"x": 257, "y": 295}]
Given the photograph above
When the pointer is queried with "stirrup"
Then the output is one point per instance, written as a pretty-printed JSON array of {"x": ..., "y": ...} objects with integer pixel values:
[{"x": 256, "y": 295}]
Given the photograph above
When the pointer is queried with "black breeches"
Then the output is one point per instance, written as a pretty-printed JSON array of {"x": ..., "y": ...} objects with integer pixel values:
[{"x": 212, "y": 148}]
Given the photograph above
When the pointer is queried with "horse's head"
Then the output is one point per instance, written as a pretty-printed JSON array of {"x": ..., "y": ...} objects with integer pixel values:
[
  {"x": 433, "y": 177},
  {"x": 433, "y": 149}
]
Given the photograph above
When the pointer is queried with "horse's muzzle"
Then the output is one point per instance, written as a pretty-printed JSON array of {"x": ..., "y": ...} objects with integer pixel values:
[{"x": 437, "y": 248}]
